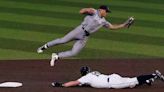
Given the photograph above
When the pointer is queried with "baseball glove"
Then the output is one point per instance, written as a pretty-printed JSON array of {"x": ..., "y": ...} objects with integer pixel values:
[{"x": 129, "y": 22}]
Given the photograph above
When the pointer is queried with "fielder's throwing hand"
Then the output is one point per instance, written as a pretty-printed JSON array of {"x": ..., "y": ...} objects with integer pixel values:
[{"x": 94, "y": 20}]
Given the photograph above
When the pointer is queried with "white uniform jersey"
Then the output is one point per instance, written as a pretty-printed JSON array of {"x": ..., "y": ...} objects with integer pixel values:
[
  {"x": 95, "y": 79},
  {"x": 93, "y": 22},
  {"x": 98, "y": 80}
]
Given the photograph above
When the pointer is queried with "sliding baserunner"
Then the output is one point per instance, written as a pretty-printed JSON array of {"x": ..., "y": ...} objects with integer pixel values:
[{"x": 96, "y": 79}]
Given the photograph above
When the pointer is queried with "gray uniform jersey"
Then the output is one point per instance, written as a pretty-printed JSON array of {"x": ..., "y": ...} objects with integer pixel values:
[
  {"x": 93, "y": 22},
  {"x": 90, "y": 24}
]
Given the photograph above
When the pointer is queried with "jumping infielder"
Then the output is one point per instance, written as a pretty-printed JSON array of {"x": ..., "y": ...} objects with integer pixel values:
[
  {"x": 98, "y": 80},
  {"x": 94, "y": 20}
]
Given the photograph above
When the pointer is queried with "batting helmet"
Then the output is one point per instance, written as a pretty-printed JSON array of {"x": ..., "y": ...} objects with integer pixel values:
[{"x": 84, "y": 70}]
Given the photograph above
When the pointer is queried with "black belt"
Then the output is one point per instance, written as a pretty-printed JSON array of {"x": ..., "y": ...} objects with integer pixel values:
[
  {"x": 86, "y": 32},
  {"x": 108, "y": 79}
]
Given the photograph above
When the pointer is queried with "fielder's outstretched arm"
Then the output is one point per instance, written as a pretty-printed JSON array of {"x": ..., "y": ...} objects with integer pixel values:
[
  {"x": 115, "y": 26},
  {"x": 126, "y": 24}
]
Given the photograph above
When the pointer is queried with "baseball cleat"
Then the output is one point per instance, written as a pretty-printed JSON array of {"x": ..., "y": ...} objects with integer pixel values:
[
  {"x": 150, "y": 81},
  {"x": 54, "y": 58},
  {"x": 159, "y": 75},
  {"x": 40, "y": 49},
  {"x": 53, "y": 84}
]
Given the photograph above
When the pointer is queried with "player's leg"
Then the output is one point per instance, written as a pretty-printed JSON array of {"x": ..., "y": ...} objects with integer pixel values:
[
  {"x": 63, "y": 40},
  {"x": 126, "y": 82},
  {"x": 118, "y": 82},
  {"x": 70, "y": 36},
  {"x": 77, "y": 47},
  {"x": 148, "y": 79}
]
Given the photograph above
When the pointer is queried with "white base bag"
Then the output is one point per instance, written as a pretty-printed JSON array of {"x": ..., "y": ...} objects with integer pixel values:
[{"x": 10, "y": 84}]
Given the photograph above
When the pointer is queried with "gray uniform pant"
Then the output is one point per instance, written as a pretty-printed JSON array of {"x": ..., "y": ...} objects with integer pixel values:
[{"x": 77, "y": 35}]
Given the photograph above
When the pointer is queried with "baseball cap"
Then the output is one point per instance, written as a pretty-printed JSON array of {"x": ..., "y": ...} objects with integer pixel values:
[{"x": 104, "y": 7}]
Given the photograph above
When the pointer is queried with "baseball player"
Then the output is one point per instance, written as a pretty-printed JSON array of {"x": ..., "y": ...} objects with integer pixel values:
[
  {"x": 97, "y": 80},
  {"x": 94, "y": 20}
]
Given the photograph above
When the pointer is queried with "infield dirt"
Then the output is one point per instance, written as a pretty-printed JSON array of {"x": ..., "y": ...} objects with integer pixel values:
[{"x": 37, "y": 75}]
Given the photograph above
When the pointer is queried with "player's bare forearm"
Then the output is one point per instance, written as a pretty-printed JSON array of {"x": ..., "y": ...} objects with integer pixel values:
[
  {"x": 126, "y": 24},
  {"x": 71, "y": 84},
  {"x": 116, "y": 26}
]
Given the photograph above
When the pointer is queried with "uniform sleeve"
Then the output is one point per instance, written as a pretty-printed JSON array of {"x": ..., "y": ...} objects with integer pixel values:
[
  {"x": 106, "y": 24},
  {"x": 92, "y": 14},
  {"x": 84, "y": 79}
]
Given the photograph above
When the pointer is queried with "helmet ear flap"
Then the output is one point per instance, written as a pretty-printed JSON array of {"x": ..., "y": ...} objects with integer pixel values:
[{"x": 84, "y": 70}]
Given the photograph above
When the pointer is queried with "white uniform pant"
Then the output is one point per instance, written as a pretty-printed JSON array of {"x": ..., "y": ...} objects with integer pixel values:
[{"x": 117, "y": 82}]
